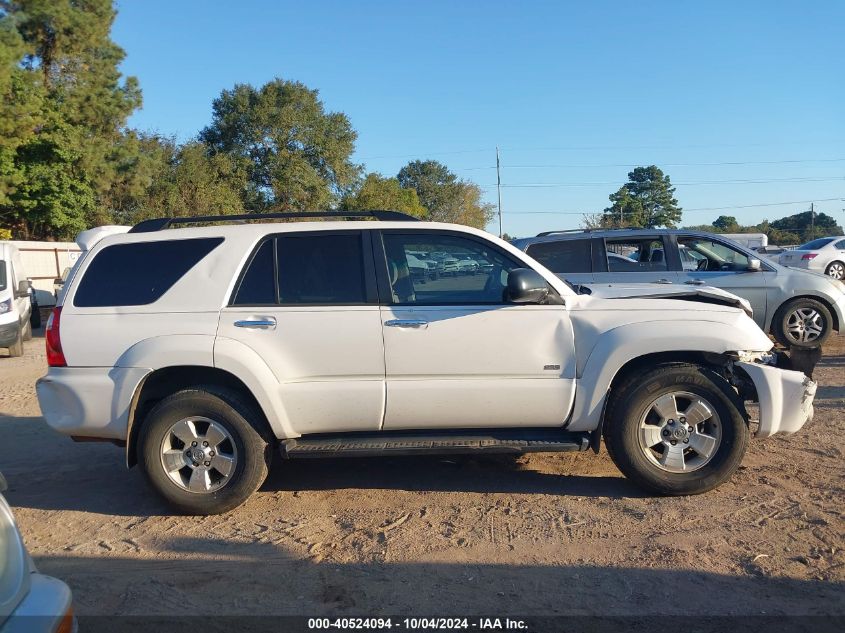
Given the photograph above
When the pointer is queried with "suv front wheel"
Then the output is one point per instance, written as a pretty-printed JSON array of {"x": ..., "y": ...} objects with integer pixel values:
[
  {"x": 677, "y": 430},
  {"x": 200, "y": 450}
]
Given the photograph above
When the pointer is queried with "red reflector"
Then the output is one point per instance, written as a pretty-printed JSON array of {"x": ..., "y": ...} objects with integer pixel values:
[
  {"x": 809, "y": 256},
  {"x": 55, "y": 356}
]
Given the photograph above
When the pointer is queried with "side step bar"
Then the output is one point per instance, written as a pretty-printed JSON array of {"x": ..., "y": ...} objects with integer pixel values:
[{"x": 434, "y": 443}]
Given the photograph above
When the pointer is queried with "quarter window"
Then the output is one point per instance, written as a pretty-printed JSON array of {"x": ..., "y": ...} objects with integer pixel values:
[
  {"x": 563, "y": 256},
  {"x": 139, "y": 273},
  {"x": 434, "y": 269},
  {"x": 258, "y": 285},
  {"x": 840, "y": 245}
]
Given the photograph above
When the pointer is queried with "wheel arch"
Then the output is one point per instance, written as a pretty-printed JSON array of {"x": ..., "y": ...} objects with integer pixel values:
[
  {"x": 162, "y": 382},
  {"x": 821, "y": 299}
]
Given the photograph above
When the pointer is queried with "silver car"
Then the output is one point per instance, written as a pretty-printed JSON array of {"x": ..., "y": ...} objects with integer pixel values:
[
  {"x": 824, "y": 255},
  {"x": 799, "y": 308},
  {"x": 29, "y": 601}
]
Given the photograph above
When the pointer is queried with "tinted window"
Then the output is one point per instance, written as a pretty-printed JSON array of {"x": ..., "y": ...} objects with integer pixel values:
[
  {"x": 258, "y": 286},
  {"x": 712, "y": 255},
  {"x": 139, "y": 274},
  {"x": 3, "y": 281},
  {"x": 635, "y": 255},
  {"x": 435, "y": 269},
  {"x": 565, "y": 256},
  {"x": 816, "y": 244},
  {"x": 840, "y": 245},
  {"x": 320, "y": 269}
]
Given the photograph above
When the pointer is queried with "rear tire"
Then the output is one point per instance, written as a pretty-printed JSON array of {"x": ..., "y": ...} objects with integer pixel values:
[
  {"x": 35, "y": 317},
  {"x": 16, "y": 348},
  {"x": 639, "y": 438},
  {"x": 802, "y": 322},
  {"x": 245, "y": 450}
]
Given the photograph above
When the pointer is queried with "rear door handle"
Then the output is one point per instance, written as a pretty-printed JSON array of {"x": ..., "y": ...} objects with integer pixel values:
[
  {"x": 411, "y": 323},
  {"x": 694, "y": 282},
  {"x": 266, "y": 323},
  {"x": 663, "y": 281}
]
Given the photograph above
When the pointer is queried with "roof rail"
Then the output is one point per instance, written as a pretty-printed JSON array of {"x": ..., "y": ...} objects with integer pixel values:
[
  {"x": 159, "y": 224},
  {"x": 613, "y": 228}
]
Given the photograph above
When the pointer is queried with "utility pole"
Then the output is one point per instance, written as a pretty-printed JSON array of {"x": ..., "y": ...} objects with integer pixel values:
[
  {"x": 812, "y": 221},
  {"x": 499, "y": 190}
]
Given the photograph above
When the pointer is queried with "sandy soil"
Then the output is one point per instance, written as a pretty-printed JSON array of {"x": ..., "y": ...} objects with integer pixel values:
[{"x": 546, "y": 534}]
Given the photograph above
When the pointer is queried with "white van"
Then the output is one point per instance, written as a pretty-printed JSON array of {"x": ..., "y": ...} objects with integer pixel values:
[{"x": 15, "y": 304}]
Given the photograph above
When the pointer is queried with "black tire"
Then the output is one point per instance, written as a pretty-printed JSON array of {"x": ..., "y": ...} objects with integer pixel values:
[
  {"x": 253, "y": 443},
  {"x": 35, "y": 317},
  {"x": 629, "y": 403},
  {"x": 16, "y": 348},
  {"x": 834, "y": 269},
  {"x": 782, "y": 316},
  {"x": 27, "y": 331}
]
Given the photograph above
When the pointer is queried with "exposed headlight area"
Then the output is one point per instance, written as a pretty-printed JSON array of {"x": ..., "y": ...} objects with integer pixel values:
[
  {"x": 763, "y": 358},
  {"x": 13, "y": 560},
  {"x": 5, "y": 306}
]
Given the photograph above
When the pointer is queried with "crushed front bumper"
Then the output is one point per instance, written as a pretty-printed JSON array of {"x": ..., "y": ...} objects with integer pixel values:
[{"x": 785, "y": 397}]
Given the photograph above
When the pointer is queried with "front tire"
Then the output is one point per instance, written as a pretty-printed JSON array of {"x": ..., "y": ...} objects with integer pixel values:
[
  {"x": 677, "y": 430},
  {"x": 802, "y": 322},
  {"x": 204, "y": 450}
]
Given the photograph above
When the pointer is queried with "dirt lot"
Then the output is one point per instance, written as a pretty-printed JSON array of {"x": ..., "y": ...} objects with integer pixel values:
[{"x": 547, "y": 534}]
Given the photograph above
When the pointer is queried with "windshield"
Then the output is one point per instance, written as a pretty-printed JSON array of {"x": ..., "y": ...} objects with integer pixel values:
[
  {"x": 2, "y": 275},
  {"x": 816, "y": 244}
]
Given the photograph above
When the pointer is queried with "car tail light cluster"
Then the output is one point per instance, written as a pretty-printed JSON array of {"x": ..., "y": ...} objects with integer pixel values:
[
  {"x": 809, "y": 256},
  {"x": 55, "y": 355}
]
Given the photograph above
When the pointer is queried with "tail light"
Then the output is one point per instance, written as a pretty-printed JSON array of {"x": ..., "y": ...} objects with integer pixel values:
[
  {"x": 55, "y": 355},
  {"x": 809, "y": 256}
]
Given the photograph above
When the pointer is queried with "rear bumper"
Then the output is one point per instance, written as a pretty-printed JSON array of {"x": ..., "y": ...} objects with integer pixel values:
[
  {"x": 46, "y": 608},
  {"x": 785, "y": 396},
  {"x": 89, "y": 401}
]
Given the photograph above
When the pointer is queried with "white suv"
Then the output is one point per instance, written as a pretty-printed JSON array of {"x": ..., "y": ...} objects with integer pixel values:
[{"x": 205, "y": 350}]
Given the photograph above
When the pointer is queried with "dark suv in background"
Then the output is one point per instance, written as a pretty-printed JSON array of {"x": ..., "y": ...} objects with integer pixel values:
[{"x": 800, "y": 309}]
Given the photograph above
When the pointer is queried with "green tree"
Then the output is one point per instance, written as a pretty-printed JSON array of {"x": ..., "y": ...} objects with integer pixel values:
[
  {"x": 379, "y": 193},
  {"x": 808, "y": 225},
  {"x": 295, "y": 155},
  {"x": 646, "y": 200},
  {"x": 445, "y": 197},
  {"x": 726, "y": 224},
  {"x": 64, "y": 109}
]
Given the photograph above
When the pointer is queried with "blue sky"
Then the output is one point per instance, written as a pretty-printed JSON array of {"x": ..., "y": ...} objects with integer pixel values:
[{"x": 574, "y": 93}]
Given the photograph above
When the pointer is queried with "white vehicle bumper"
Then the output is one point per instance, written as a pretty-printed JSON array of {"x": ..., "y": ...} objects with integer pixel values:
[
  {"x": 89, "y": 401},
  {"x": 45, "y": 608},
  {"x": 786, "y": 398}
]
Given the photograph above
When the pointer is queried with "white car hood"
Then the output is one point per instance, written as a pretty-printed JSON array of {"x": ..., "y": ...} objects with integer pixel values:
[{"x": 703, "y": 294}]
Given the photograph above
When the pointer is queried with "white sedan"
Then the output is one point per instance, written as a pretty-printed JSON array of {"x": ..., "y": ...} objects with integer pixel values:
[{"x": 824, "y": 255}]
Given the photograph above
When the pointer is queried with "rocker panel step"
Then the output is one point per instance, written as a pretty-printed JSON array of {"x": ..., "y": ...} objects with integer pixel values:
[{"x": 375, "y": 444}]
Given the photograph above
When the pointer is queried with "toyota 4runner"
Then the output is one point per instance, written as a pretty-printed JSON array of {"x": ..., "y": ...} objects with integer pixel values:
[{"x": 206, "y": 350}]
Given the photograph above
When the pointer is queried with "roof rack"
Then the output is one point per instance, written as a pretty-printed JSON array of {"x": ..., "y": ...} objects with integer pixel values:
[
  {"x": 614, "y": 228},
  {"x": 159, "y": 224}
]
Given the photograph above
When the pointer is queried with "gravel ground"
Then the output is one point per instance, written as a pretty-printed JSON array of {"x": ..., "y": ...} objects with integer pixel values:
[{"x": 545, "y": 534}]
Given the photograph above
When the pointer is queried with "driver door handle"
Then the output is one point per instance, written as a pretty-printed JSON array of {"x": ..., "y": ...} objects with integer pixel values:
[
  {"x": 694, "y": 282},
  {"x": 261, "y": 324}
]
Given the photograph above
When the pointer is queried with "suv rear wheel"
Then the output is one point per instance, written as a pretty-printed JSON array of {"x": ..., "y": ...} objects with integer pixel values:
[
  {"x": 802, "y": 322},
  {"x": 677, "y": 430},
  {"x": 200, "y": 450}
]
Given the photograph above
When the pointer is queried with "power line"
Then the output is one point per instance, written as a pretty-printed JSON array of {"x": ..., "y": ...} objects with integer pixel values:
[
  {"x": 743, "y": 181},
  {"x": 662, "y": 164},
  {"x": 699, "y": 209}
]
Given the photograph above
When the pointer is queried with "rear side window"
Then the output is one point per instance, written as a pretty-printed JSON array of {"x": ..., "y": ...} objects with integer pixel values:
[
  {"x": 140, "y": 273},
  {"x": 565, "y": 256},
  {"x": 840, "y": 245},
  {"x": 635, "y": 255},
  {"x": 320, "y": 269}
]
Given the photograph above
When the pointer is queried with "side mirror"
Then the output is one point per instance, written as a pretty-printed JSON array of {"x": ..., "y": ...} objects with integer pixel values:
[
  {"x": 526, "y": 286},
  {"x": 23, "y": 289},
  {"x": 754, "y": 265}
]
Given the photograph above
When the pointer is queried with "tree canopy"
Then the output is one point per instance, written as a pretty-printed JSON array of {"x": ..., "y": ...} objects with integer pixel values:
[
  {"x": 376, "y": 192},
  {"x": 646, "y": 200},
  {"x": 792, "y": 229}
]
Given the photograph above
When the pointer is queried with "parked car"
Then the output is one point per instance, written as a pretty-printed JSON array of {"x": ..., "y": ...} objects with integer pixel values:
[
  {"x": 824, "y": 255},
  {"x": 15, "y": 301},
  {"x": 205, "y": 350},
  {"x": 29, "y": 602},
  {"x": 799, "y": 309}
]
